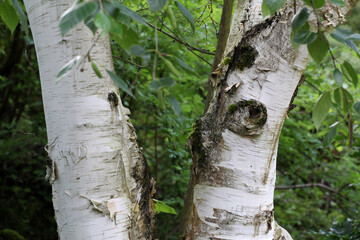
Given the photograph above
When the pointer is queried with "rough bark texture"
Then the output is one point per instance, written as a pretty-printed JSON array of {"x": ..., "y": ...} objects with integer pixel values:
[
  {"x": 101, "y": 183},
  {"x": 234, "y": 146}
]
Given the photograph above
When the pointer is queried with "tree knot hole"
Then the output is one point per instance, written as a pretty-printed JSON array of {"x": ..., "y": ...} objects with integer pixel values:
[{"x": 246, "y": 117}]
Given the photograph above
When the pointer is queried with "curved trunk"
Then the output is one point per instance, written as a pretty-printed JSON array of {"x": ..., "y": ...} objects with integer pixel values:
[
  {"x": 234, "y": 146},
  {"x": 101, "y": 184}
]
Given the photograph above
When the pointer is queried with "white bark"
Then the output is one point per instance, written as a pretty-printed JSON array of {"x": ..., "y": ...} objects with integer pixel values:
[
  {"x": 96, "y": 163},
  {"x": 234, "y": 171}
]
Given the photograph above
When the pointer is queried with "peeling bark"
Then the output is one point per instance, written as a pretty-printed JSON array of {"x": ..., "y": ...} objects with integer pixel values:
[
  {"x": 101, "y": 183},
  {"x": 234, "y": 145}
]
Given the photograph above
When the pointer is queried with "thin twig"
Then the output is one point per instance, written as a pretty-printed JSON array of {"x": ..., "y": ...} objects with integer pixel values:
[
  {"x": 176, "y": 38},
  {"x": 351, "y": 123},
  {"x": 101, "y": 5},
  {"x": 132, "y": 63},
  {"x": 156, "y": 51},
  {"x": 190, "y": 48},
  {"x": 320, "y": 185},
  {"x": 319, "y": 28},
  {"x": 132, "y": 84},
  {"x": 313, "y": 86}
]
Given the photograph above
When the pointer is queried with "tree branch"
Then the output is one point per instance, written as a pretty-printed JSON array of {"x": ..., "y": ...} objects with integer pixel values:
[
  {"x": 224, "y": 31},
  {"x": 320, "y": 185},
  {"x": 176, "y": 38}
]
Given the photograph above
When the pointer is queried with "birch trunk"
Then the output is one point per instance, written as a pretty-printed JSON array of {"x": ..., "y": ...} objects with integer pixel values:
[
  {"x": 234, "y": 145},
  {"x": 101, "y": 184}
]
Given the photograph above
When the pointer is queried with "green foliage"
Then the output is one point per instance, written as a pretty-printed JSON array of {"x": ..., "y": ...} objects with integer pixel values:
[
  {"x": 330, "y": 135},
  {"x": 77, "y": 13},
  {"x": 161, "y": 207},
  {"x": 25, "y": 197},
  {"x": 156, "y": 5},
  {"x": 96, "y": 69},
  {"x": 318, "y": 48},
  {"x": 103, "y": 21},
  {"x": 357, "y": 107},
  {"x": 8, "y": 15},
  {"x": 338, "y": 76},
  {"x": 317, "y": 3},
  {"x": 321, "y": 109},
  {"x": 122, "y": 85},
  {"x": 349, "y": 229},
  {"x": 22, "y": 16},
  {"x": 304, "y": 37},
  {"x": 323, "y": 156},
  {"x": 67, "y": 67},
  {"x": 9, "y": 234},
  {"x": 300, "y": 19},
  {"x": 269, "y": 7},
  {"x": 186, "y": 14},
  {"x": 169, "y": 84},
  {"x": 349, "y": 73}
]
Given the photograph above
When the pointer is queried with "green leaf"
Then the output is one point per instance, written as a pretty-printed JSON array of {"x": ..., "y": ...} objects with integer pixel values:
[
  {"x": 330, "y": 135},
  {"x": 176, "y": 107},
  {"x": 350, "y": 73},
  {"x": 342, "y": 101},
  {"x": 75, "y": 14},
  {"x": 155, "y": 85},
  {"x": 103, "y": 21},
  {"x": 8, "y": 15},
  {"x": 117, "y": 29},
  {"x": 156, "y": 5},
  {"x": 22, "y": 16},
  {"x": 338, "y": 2},
  {"x": 318, "y": 48},
  {"x": 167, "y": 82},
  {"x": 128, "y": 37},
  {"x": 171, "y": 15},
  {"x": 353, "y": 46},
  {"x": 186, "y": 67},
  {"x": 137, "y": 50},
  {"x": 122, "y": 85},
  {"x": 339, "y": 97},
  {"x": 140, "y": 52},
  {"x": 162, "y": 207},
  {"x": 89, "y": 21},
  {"x": 341, "y": 34},
  {"x": 162, "y": 82},
  {"x": 353, "y": 37},
  {"x": 338, "y": 76},
  {"x": 111, "y": 8},
  {"x": 357, "y": 107},
  {"x": 67, "y": 68},
  {"x": 96, "y": 70},
  {"x": 170, "y": 66},
  {"x": 130, "y": 13},
  {"x": 160, "y": 98},
  {"x": 304, "y": 37},
  {"x": 321, "y": 109},
  {"x": 317, "y": 3},
  {"x": 300, "y": 19},
  {"x": 186, "y": 14},
  {"x": 269, "y": 7}
]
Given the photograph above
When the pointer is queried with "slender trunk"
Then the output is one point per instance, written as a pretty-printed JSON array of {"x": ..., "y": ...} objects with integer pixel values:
[
  {"x": 101, "y": 184},
  {"x": 234, "y": 145}
]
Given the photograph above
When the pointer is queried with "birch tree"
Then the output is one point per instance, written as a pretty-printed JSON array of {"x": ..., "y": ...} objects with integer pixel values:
[
  {"x": 102, "y": 187},
  {"x": 234, "y": 145},
  {"x": 101, "y": 184}
]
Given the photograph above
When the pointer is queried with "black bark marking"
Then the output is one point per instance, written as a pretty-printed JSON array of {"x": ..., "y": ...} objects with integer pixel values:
[
  {"x": 246, "y": 117},
  {"x": 113, "y": 100}
]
